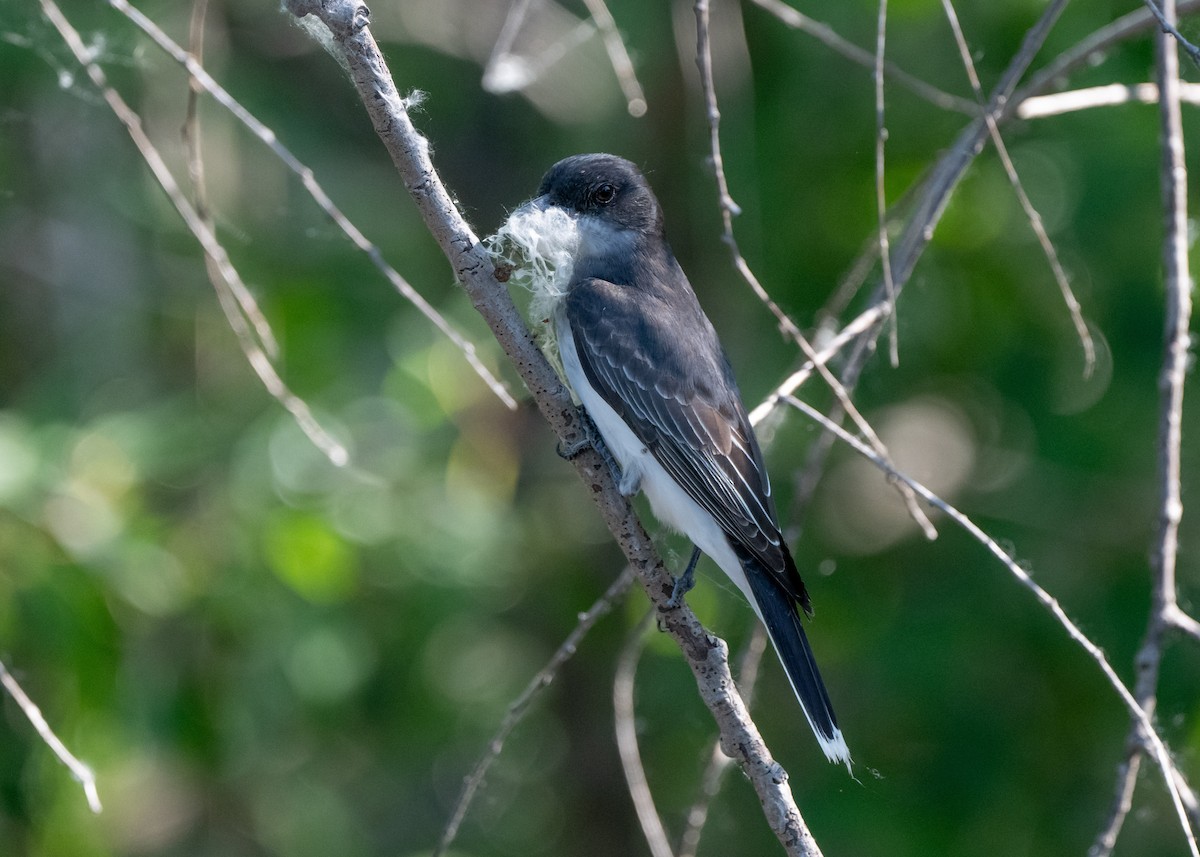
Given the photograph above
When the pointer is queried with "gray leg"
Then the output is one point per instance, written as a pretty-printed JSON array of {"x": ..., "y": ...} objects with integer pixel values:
[{"x": 685, "y": 581}]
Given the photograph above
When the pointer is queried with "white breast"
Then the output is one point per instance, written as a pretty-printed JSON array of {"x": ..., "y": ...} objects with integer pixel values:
[{"x": 670, "y": 503}]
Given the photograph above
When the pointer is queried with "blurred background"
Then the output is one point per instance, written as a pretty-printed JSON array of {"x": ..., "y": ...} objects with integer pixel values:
[{"x": 260, "y": 653}]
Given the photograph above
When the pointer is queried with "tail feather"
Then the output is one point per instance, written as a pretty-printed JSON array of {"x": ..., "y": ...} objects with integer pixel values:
[{"x": 781, "y": 617}]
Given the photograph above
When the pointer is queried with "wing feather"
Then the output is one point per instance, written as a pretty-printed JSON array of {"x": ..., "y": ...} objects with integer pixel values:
[{"x": 665, "y": 374}]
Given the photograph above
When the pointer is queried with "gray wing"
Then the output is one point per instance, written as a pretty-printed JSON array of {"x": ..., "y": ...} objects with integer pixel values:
[{"x": 661, "y": 368}]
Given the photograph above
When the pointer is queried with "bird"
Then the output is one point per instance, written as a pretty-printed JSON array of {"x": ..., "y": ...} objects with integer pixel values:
[{"x": 628, "y": 334}]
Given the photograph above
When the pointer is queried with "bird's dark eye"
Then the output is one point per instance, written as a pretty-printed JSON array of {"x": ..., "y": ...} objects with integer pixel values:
[{"x": 605, "y": 194}]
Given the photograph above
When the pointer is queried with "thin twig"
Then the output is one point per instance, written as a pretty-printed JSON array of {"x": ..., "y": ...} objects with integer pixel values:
[
  {"x": 1164, "y": 608},
  {"x": 250, "y": 327},
  {"x": 865, "y": 321},
  {"x": 625, "y": 724},
  {"x": 226, "y": 289},
  {"x": 635, "y": 98},
  {"x": 1183, "y": 623},
  {"x": 1165, "y": 17},
  {"x": 1087, "y": 51},
  {"x": 519, "y": 706},
  {"x": 1156, "y": 747},
  {"x": 828, "y": 37},
  {"x": 502, "y": 47},
  {"x": 706, "y": 655},
  {"x": 213, "y": 249},
  {"x": 729, "y": 209},
  {"x": 81, "y": 772},
  {"x": 1031, "y": 213},
  {"x": 1110, "y": 95},
  {"x": 885, "y": 255},
  {"x": 930, "y": 203},
  {"x": 507, "y": 72},
  {"x": 267, "y": 136}
]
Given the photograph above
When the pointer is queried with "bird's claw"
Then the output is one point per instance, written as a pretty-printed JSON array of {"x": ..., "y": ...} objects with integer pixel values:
[
  {"x": 589, "y": 436},
  {"x": 684, "y": 582}
]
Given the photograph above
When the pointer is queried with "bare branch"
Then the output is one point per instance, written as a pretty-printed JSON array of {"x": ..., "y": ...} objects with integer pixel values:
[
  {"x": 729, "y": 209},
  {"x": 517, "y": 710},
  {"x": 508, "y": 72},
  {"x": 828, "y": 37},
  {"x": 635, "y": 98},
  {"x": 1110, "y": 95},
  {"x": 1164, "y": 610},
  {"x": 1182, "y": 622},
  {"x": 865, "y": 321},
  {"x": 885, "y": 254},
  {"x": 250, "y": 327},
  {"x": 213, "y": 250},
  {"x": 1177, "y": 319},
  {"x": 226, "y": 289},
  {"x": 707, "y": 655},
  {"x": 1165, "y": 16},
  {"x": 33, "y": 714},
  {"x": 1031, "y": 213},
  {"x": 1154, "y": 741},
  {"x": 625, "y": 722},
  {"x": 198, "y": 76},
  {"x": 1087, "y": 50}
]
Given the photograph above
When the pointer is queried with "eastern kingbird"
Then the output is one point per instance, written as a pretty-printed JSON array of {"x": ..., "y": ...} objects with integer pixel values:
[{"x": 625, "y": 328}]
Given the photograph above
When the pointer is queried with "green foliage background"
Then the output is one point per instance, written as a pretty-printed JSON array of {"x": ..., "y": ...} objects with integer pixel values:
[{"x": 261, "y": 654}]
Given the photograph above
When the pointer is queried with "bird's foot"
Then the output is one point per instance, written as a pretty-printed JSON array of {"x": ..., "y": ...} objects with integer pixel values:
[
  {"x": 589, "y": 436},
  {"x": 685, "y": 582}
]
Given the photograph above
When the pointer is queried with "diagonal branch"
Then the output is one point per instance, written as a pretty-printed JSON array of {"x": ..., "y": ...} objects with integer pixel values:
[
  {"x": 707, "y": 655},
  {"x": 729, "y": 209},
  {"x": 1031, "y": 213},
  {"x": 33, "y": 714},
  {"x": 201, "y": 78},
  {"x": 1154, "y": 742},
  {"x": 1109, "y": 95},
  {"x": 516, "y": 711},
  {"x": 214, "y": 252},
  {"x": 1165, "y": 15},
  {"x": 839, "y": 45},
  {"x": 718, "y": 762},
  {"x": 618, "y": 56}
]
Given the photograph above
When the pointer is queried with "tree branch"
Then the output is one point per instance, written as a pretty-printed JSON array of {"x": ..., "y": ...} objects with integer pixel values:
[
  {"x": 1154, "y": 743},
  {"x": 33, "y": 714},
  {"x": 516, "y": 711},
  {"x": 1164, "y": 610},
  {"x": 707, "y": 655}
]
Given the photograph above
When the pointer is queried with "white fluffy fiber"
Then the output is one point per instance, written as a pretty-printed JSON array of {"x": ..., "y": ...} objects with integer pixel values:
[{"x": 540, "y": 246}]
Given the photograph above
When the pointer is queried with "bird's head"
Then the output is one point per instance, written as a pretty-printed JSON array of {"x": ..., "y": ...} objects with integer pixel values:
[
  {"x": 591, "y": 212},
  {"x": 603, "y": 193}
]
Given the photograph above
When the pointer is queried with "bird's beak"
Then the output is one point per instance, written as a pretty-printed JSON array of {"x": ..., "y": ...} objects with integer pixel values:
[{"x": 540, "y": 203}]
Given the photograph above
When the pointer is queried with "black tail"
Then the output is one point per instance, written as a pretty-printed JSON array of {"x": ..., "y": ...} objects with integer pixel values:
[{"x": 779, "y": 613}]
